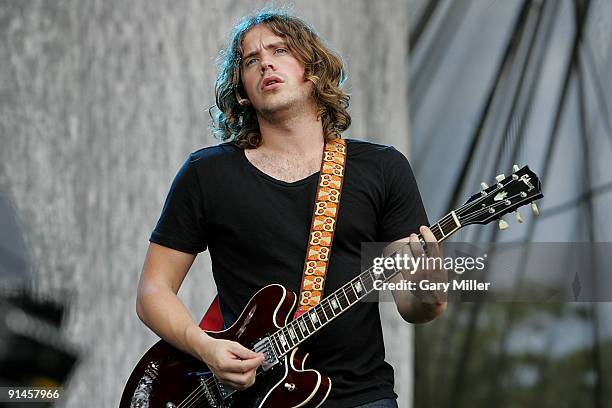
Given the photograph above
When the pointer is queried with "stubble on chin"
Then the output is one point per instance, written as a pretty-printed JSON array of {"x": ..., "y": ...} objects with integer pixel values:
[{"x": 286, "y": 104}]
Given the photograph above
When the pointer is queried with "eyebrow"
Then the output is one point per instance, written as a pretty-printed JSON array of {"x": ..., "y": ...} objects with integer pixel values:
[{"x": 271, "y": 45}]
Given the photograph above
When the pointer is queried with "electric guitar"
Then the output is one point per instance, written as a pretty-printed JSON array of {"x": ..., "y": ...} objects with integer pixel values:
[{"x": 168, "y": 378}]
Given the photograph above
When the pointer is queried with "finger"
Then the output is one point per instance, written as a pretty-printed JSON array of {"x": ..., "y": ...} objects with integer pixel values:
[
  {"x": 251, "y": 364},
  {"x": 240, "y": 381},
  {"x": 430, "y": 239},
  {"x": 236, "y": 365},
  {"x": 232, "y": 384},
  {"x": 415, "y": 246},
  {"x": 242, "y": 352}
]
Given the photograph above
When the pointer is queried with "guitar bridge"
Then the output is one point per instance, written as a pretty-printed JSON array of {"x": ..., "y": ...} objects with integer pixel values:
[
  {"x": 208, "y": 393},
  {"x": 265, "y": 346}
]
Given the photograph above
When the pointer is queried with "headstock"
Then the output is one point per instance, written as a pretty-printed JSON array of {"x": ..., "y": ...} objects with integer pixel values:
[{"x": 506, "y": 195}]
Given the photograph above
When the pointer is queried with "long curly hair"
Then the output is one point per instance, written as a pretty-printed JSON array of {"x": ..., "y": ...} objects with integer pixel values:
[{"x": 235, "y": 122}]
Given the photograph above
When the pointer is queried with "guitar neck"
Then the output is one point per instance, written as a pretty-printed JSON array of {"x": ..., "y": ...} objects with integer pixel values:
[
  {"x": 332, "y": 306},
  {"x": 506, "y": 195}
]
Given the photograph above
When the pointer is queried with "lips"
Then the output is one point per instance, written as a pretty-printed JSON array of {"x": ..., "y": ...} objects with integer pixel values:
[{"x": 271, "y": 82}]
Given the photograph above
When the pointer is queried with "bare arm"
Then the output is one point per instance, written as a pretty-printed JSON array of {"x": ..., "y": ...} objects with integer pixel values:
[
  {"x": 418, "y": 307},
  {"x": 163, "y": 312}
]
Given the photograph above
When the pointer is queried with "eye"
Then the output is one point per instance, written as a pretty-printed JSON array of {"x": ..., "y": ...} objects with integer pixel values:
[
  {"x": 250, "y": 62},
  {"x": 281, "y": 51}
]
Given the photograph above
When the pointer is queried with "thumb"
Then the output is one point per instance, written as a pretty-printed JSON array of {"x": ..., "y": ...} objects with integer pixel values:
[{"x": 242, "y": 352}]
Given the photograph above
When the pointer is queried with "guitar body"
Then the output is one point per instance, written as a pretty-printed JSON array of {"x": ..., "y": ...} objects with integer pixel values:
[{"x": 166, "y": 377}]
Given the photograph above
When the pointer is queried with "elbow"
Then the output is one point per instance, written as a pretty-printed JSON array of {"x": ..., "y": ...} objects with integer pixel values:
[
  {"x": 425, "y": 313},
  {"x": 140, "y": 308},
  {"x": 141, "y": 303},
  {"x": 438, "y": 309}
]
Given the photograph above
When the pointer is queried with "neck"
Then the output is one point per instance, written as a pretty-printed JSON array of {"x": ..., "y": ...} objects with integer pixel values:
[{"x": 291, "y": 134}]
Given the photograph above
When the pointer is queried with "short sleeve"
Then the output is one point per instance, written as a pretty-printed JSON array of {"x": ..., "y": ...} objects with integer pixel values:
[
  {"x": 403, "y": 211},
  {"x": 181, "y": 224}
]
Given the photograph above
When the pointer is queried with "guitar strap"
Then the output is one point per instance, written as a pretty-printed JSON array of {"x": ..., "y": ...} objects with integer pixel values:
[
  {"x": 320, "y": 238},
  {"x": 324, "y": 216}
]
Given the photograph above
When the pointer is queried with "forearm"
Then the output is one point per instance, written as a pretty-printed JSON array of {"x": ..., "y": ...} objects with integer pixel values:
[
  {"x": 163, "y": 312},
  {"x": 414, "y": 309},
  {"x": 419, "y": 304}
]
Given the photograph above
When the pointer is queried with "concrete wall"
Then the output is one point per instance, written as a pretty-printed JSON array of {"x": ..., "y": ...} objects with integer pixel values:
[{"x": 101, "y": 101}]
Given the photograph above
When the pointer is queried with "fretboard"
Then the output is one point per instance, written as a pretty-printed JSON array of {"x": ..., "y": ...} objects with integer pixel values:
[{"x": 332, "y": 306}]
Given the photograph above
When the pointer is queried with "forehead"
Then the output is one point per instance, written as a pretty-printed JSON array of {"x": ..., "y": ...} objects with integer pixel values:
[{"x": 258, "y": 37}]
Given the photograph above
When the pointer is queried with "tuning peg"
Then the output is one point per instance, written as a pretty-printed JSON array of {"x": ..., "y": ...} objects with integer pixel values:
[
  {"x": 484, "y": 185},
  {"x": 515, "y": 168},
  {"x": 500, "y": 177},
  {"x": 535, "y": 209},
  {"x": 503, "y": 225},
  {"x": 519, "y": 217}
]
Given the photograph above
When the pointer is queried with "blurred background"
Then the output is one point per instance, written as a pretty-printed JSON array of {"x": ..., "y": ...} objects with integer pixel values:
[
  {"x": 493, "y": 83},
  {"x": 101, "y": 101}
]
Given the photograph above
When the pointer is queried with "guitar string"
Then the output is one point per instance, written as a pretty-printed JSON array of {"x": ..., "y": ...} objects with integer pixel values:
[
  {"x": 369, "y": 278},
  {"x": 368, "y": 275},
  {"x": 196, "y": 395},
  {"x": 441, "y": 226}
]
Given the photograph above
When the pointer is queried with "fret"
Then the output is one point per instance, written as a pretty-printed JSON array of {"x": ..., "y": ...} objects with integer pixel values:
[
  {"x": 292, "y": 333},
  {"x": 335, "y": 305},
  {"x": 288, "y": 337},
  {"x": 390, "y": 272},
  {"x": 343, "y": 300},
  {"x": 283, "y": 341},
  {"x": 351, "y": 293},
  {"x": 368, "y": 280},
  {"x": 437, "y": 231},
  {"x": 358, "y": 287},
  {"x": 276, "y": 345},
  {"x": 448, "y": 227},
  {"x": 303, "y": 327},
  {"x": 314, "y": 318},
  {"x": 298, "y": 329},
  {"x": 308, "y": 323},
  {"x": 377, "y": 275},
  {"x": 323, "y": 304},
  {"x": 364, "y": 283},
  {"x": 321, "y": 314},
  {"x": 329, "y": 311}
]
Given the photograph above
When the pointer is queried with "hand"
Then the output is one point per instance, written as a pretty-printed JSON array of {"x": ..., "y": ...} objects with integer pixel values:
[
  {"x": 436, "y": 274},
  {"x": 231, "y": 362}
]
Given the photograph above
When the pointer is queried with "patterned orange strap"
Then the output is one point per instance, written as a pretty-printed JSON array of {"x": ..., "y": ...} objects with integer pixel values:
[{"x": 323, "y": 224}]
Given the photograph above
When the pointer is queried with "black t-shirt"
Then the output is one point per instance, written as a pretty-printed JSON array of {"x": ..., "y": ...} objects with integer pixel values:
[{"x": 256, "y": 229}]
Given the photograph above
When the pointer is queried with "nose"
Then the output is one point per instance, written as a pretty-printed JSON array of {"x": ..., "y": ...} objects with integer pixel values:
[{"x": 267, "y": 63}]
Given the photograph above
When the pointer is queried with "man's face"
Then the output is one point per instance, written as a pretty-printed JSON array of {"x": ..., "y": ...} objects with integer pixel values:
[{"x": 272, "y": 77}]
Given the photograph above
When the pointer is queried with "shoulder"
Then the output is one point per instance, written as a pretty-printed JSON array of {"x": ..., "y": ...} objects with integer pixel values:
[
  {"x": 372, "y": 150},
  {"x": 217, "y": 156},
  {"x": 213, "y": 153}
]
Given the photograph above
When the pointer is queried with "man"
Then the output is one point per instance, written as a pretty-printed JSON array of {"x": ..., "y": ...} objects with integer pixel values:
[{"x": 250, "y": 202}]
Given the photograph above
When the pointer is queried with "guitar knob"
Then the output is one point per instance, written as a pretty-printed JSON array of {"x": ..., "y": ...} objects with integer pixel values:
[
  {"x": 290, "y": 386},
  {"x": 519, "y": 217},
  {"x": 535, "y": 209},
  {"x": 503, "y": 225},
  {"x": 484, "y": 185},
  {"x": 515, "y": 168},
  {"x": 500, "y": 177}
]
